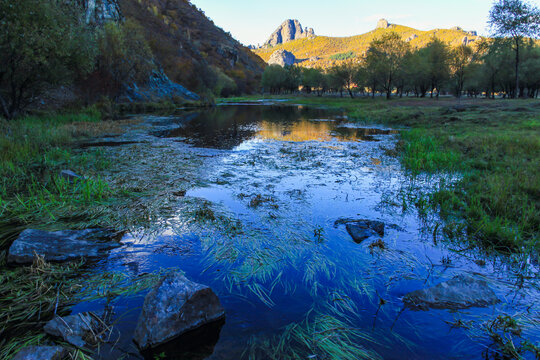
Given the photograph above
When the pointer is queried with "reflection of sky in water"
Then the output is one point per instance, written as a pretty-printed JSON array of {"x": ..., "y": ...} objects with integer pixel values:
[{"x": 284, "y": 180}]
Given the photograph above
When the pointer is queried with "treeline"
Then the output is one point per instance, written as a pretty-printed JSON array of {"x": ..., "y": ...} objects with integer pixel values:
[{"x": 391, "y": 68}]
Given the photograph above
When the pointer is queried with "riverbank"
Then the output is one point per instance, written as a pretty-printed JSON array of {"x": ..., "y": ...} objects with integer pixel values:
[{"x": 493, "y": 144}]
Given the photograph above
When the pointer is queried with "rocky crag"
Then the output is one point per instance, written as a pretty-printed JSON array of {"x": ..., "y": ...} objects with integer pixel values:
[{"x": 289, "y": 30}]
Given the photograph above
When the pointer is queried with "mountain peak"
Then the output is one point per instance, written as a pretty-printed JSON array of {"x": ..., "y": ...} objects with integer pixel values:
[{"x": 289, "y": 30}]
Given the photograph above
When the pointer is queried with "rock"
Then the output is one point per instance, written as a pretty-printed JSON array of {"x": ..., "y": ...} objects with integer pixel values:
[
  {"x": 229, "y": 53},
  {"x": 383, "y": 24},
  {"x": 70, "y": 176},
  {"x": 61, "y": 245},
  {"x": 282, "y": 58},
  {"x": 359, "y": 233},
  {"x": 411, "y": 38},
  {"x": 101, "y": 11},
  {"x": 41, "y": 353},
  {"x": 362, "y": 229},
  {"x": 158, "y": 87},
  {"x": 175, "y": 306},
  {"x": 461, "y": 292},
  {"x": 289, "y": 30},
  {"x": 80, "y": 330}
]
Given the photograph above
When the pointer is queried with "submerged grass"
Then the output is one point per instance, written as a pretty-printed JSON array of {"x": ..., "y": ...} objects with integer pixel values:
[{"x": 493, "y": 144}]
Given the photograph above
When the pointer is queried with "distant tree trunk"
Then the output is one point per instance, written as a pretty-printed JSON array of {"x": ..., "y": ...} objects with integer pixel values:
[{"x": 517, "y": 39}]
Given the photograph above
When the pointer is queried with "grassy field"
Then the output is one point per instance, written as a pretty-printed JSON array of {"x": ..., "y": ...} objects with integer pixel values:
[{"x": 493, "y": 144}]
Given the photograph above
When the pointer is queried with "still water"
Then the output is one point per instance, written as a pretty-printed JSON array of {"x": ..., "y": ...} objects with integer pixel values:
[{"x": 258, "y": 224}]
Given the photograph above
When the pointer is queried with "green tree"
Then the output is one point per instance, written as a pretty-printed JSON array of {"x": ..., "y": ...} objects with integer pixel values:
[
  {"x": 437, "y": 56},
  {"x": 516, "y": 19},
  {"x": 124, "y": 55},
  {"x": 460, "y": 58},
  {"x": 385, "y": 56},
  {"x": 43, "y": 43},
  {"x": 274, "y": 78}
]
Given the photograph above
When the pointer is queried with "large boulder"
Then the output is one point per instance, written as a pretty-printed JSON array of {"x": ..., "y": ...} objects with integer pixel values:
[
  {"x": 282, "y": 58},
  {"x": 101, "y": 11},
  {"x": 461, "y": 292},
  {"x": 41, "y": 353},
  {"x": 61, "y": 245},
  {"x": 81, "y": 330},
  {"x": 173, "y": 307}
]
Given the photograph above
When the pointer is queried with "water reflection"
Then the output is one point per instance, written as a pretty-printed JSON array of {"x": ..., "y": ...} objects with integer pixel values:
[{"x": 227, "y": 128}]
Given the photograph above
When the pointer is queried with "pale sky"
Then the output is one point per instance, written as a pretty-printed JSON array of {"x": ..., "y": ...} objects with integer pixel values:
[{"x": 252, "y": 21}]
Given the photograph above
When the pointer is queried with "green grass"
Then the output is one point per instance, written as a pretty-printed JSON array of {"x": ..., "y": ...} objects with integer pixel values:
[{"x": 494, "y": 145}]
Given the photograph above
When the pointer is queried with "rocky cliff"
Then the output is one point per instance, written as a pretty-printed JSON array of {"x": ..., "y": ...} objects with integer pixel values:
[{"x": 288, "y": 31}]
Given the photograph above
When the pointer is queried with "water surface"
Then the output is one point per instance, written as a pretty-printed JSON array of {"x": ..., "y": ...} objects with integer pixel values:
[{"x": 259, "y": 226}]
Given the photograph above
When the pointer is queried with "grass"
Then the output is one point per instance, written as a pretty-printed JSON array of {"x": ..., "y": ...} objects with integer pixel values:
[{"x": 492, "y": 145}]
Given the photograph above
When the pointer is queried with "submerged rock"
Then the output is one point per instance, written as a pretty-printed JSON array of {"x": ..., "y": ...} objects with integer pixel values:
[
  {"x": 61, "y": 245},
  {"x": 80, "y": 330},
  {"x": 175, "y": 306},
  {"x": 362, "y": 229},
  {"x": 461, "y": 292},
  {"x": 41, "y": 353}
]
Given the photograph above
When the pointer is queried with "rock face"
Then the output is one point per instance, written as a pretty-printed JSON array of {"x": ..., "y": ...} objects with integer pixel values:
[
  {"x": 41, "y": 353},
  {"x": 61, "y": 245},
  {"x": 173, "y": 307},
  {"x": 159, "y": 86},
  {"x": 101, "y": 11},
  {"x": 383, "y": 24},
  {"x": 282, "y": 58},
  {"x": 461, "y": 292},
  {"x": 289, "y": 30},
  {"x": 79, "y": 330}
]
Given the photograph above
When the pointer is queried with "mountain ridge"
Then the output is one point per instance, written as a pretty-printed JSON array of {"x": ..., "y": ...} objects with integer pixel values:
[{"x": 318, "y": 51}]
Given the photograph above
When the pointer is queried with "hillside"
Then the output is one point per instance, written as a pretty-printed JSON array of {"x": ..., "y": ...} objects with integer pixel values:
[
  {"x": 190, "y": 47},
  {"x": 324, "y": 51}
]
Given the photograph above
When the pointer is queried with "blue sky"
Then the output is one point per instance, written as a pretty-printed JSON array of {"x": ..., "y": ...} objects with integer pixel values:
[{"x": 252, "y": 21}]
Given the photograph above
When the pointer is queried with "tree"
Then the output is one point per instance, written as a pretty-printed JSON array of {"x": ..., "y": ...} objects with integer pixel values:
[
  {"x": 43, "y": 43},
  {"x": 274, "y": 78},
  {"x": 460, "y": 58},
  {"x": 437, "y": 57},
  {"x": 516, "y": 19},
  {"x": 313, "y": 79},
  {"x": 385, "y": 57},
  {"x": 125, "y": 56}
]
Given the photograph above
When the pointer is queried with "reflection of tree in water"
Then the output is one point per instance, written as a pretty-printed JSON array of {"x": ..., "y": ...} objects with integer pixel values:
[{"x": 229, "y": 126}]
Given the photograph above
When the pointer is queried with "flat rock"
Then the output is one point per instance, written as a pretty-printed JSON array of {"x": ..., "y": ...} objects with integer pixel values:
[
  {"x": 61, "y": 245},
  {"x": 80, "y": 330},
  {"x": 41, "y": 353},
  {"x": 461, "y": 292},
  {"x": 173, "y": 307}
]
